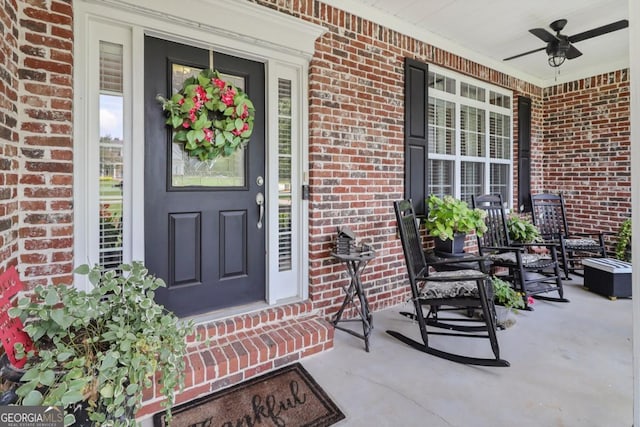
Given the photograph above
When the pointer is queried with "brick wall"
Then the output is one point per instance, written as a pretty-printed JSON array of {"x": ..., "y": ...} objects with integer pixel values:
[
  {"x": 587, "y": 149},
  {"x": 36, "y": 140},
  {"x": 357, "y": 142},
  {"x": 8, "y": 134}
]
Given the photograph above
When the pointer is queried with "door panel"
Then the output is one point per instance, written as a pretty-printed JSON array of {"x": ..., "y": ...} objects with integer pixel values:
[
  {"x": 184, "y": 245},
  {"x": 234, "y": 256},
  {"x": 201, "y": 233}
]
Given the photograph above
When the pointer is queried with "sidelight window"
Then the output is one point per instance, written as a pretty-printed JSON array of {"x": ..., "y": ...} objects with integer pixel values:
[
  {"x": 284, "y": 176},
  {"x": 111, "y": 146}
]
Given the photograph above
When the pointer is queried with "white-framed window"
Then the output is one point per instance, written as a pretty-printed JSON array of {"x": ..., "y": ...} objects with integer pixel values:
[
  {"x": 470, "y": 150},
  {"x": 102, "y": 147}
]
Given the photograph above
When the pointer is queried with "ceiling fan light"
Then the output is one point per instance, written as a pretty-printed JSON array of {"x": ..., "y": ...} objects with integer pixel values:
[{"x": 557, "y": 59}]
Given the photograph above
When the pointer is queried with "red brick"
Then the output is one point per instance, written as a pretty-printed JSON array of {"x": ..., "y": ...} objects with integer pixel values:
[
  {"x": 257, "y": 370},
  {"x": 192, "y": 393}
]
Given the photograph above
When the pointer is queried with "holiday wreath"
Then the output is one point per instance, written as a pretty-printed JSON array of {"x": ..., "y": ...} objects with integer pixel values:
[{"x": 210, "y": 116}]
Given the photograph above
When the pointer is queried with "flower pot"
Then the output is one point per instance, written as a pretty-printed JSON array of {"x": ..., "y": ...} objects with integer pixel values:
[
  {"x": 10, "y": 376},
  {"x": 504, "y": 317},
  {"x": 450, "y": 248},
  {"x": 10, "y": 379}
]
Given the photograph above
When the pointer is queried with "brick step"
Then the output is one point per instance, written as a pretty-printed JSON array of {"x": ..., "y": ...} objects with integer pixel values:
[
  {"x": 247, "y": 345},
  {"x": 218, "y": 329}
]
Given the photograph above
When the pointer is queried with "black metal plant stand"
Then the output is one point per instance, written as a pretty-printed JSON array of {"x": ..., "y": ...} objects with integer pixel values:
[{"x": 355, "y": 263}]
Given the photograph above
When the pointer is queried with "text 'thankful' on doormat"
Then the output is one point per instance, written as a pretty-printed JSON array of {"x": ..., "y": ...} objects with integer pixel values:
[{"x": 286, "y": 397}]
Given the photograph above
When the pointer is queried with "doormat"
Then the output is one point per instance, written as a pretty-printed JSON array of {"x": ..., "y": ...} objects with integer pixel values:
[{"x": 286, "y": 397}]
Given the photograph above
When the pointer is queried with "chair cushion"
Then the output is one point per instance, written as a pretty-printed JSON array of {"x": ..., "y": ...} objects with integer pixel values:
[
  {"x": 510, "y": 257},
  {"x": 453, "y": 289},
  {"x": 581, "y": 243}
]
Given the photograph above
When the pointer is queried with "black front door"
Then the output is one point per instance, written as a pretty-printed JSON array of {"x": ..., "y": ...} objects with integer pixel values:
[{"x": 201, "y": 218}]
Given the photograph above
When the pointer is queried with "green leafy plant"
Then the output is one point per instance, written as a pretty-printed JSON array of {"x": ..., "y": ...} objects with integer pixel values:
[
  {"x": 505, "y": 295},
  {"x": 522, "y": 230},
  {"x": 449, "y": 216},
  {"x": 210, "y": 116},
  {"x": 101, "y": 347},
  {"x": 623, "y": 245}
]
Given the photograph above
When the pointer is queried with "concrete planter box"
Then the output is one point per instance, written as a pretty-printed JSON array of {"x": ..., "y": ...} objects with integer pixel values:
[{"x": 608, "y": 277}]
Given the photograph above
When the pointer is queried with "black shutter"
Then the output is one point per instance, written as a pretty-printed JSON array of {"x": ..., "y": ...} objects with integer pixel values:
[
  {"x": 416, "y": 76},
  {"x": 524, "y": 154}
]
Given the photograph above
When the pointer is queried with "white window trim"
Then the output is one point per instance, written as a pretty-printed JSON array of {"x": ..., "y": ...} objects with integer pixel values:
[
  {"x": 458, "y": 99},
  {"x": 286, "y": 54},
  {"x": 287, "y": 281},
  {"x": 86, "y": 154}
]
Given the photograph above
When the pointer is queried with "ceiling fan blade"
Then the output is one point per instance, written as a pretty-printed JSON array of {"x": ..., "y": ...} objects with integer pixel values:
[
  {"x": 543, "y": 34},
  {"x": 573, "y": 52},
  {"x": 595, "y": 32},
  {"x": 525, "y": 53}
]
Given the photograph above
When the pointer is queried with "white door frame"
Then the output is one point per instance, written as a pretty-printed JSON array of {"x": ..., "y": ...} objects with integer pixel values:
[{"x": 283, "y": 43}]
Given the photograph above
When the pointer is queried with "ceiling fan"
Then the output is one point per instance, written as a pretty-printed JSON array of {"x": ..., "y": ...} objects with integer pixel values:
[{"x": 560, "y": 47}]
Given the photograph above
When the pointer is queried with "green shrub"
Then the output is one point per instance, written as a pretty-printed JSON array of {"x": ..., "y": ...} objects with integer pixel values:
[
  {"x": 505, "y": 295},
  {"x": 101, "y": 347},
  {"x": 623, "y": 245},
  {"x": 522, "y": 230},
  {"x": 448, "y": 216}
]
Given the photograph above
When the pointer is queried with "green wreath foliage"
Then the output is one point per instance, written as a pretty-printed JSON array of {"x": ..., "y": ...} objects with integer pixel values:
[{"x": 210, "y": 116}]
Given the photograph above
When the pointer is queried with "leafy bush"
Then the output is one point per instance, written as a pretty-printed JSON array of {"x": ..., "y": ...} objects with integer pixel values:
[
  {"x": 448, "y": 216},
  {"x": 623, "y": 245},
  {"x": 505, "y": 295},
  {"x": 522, "y": 230},
  {"x": 101, "y": 347}
]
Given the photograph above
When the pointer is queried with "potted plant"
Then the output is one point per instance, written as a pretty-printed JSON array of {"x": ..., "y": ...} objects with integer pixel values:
[
  {"x": 449, "y": 220},
  {"x": 522, "y": 230},
  {"x": 507, "y": 300},
  {"x": 623, "y": 245},
  {"x": 101, "y": 348}
]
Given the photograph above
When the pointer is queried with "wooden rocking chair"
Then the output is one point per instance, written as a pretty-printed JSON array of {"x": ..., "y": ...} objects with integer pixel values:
[
  {"x": 549, "y": 215},
  {"x": 445, "y": 290},
  {"x": 530, "y": 273}
]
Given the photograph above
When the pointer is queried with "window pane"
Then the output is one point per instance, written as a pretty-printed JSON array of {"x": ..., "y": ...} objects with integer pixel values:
[
  {"x": 111, "y": 147},
  {"x": 443, "y": 83},
  {"x": 472, "y": 131},
  {"x": 441, "y": 177},
  {"x": 442, "y": 122},
  {"x": 110, "y": 67},
  {"x": 471, "y": 180},
  {"x": 499, "y": 136},
  {"x": 188, "y": 171},
  {"x": 285, "y": 260},
  {"x": 499, "y": 99},
  {"x": 473, "y": 92},
  {"x": 499, "y": 180}
]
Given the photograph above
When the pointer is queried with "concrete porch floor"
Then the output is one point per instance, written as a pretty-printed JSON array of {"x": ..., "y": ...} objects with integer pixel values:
[{"x": 571, "y": 365}]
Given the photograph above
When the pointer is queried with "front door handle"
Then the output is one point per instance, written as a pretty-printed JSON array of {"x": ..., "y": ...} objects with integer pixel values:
[{"x": 260, "y": 203}]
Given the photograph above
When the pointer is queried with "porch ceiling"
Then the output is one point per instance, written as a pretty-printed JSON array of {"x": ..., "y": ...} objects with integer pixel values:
[{"x": 489, "y": 31}]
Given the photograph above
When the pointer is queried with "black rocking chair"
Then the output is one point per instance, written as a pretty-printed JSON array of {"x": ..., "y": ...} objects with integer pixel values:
[
  {"x": 549, "y": 215},
  {"x": 531, "y": 274},
  {"x": 442, "y": 291}
]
